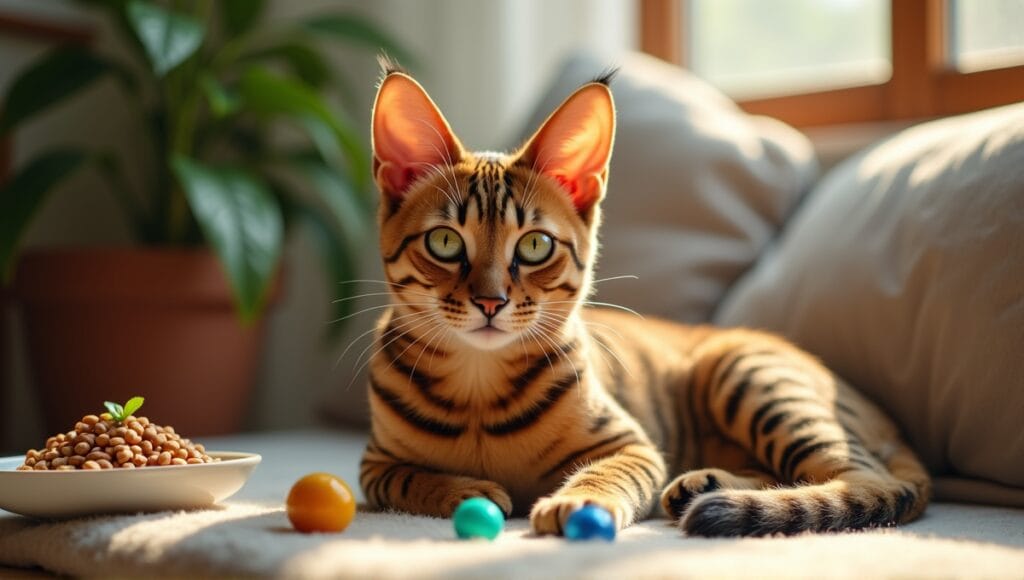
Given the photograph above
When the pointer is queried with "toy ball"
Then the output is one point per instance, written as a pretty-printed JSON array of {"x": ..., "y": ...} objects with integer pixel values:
[
  {"x": 590, "y": 522},
  {"x": 478, "y": 517},
  {"x": 321, "y": 502}
]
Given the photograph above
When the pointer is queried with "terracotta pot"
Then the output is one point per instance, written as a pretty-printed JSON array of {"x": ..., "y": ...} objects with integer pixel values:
[{"x": 108, "y": 324}]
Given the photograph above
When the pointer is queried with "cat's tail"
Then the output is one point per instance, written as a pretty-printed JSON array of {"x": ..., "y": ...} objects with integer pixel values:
[{"x": 853, "y": 500}]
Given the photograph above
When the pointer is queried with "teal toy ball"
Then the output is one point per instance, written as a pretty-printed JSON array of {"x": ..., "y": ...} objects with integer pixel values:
[
  {"x": 590, "y": 522},
  {"x": 478, "y": 517}
]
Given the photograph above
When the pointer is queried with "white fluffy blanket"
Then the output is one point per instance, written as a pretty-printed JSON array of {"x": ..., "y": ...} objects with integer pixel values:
[{"x": 250, "y": 535}]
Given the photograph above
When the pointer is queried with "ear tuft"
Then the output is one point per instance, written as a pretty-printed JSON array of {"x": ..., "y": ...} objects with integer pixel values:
[
  {"x": 607, "y": 76},
  {"x": 389, "y": 66},
  {"x": 574, "y": 145},
  {"x": 410, "y": 136}
]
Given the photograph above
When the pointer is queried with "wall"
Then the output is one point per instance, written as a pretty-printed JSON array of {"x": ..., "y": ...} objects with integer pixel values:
[{"x": 485, "y": 64}]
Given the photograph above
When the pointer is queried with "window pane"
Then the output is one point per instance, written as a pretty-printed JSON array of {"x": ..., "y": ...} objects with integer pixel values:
[
  {"x": 757, "y": 48},
  {"x": 986, "y": 33}
]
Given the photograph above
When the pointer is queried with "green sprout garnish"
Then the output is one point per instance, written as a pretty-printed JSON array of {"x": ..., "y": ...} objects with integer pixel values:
[{"x": 120, "y": 413}]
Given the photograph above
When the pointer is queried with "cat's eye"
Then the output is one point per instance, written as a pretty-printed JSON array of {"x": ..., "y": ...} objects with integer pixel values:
[
  {"x": 535, "y": 247},
  {"x": 444, "y": 244}
]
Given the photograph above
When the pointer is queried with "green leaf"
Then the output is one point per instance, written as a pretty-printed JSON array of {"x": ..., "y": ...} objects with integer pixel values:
[
  {"x": 116, "y": 411},
  {"x": 222, "y": 102},
  {"x": 25, "y": 193},
  {"x": 241, "y": 220},
  {"x": 57, "y": 76},
  {"x": 359, "y": 31},
  {"x": 133, "y": 405},
  {"x": 323, "y": 136},
  {"x": 169, "y": 38},
  {"x": 336, "y": 259},
  {"x": 348, "y": 207},
  {"x": 109, "y": 167},
  {"x": 271, "y": 95},
  {"x": 307, "y": 64},
  {"x": 238, "y": 16}
]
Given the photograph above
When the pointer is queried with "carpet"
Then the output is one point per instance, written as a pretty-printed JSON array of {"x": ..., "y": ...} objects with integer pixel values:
[{"x": 250, "y": 535}]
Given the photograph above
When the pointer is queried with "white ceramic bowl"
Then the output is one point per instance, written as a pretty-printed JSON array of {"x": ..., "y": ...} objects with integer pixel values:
[{"x": 63, "y": 494}]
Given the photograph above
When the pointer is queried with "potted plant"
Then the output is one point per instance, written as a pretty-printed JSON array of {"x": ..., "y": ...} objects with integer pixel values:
[{"x": 178, "y": 317}]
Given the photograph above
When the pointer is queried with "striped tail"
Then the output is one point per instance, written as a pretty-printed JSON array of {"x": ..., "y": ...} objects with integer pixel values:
[{"x": 853, "y": 500}]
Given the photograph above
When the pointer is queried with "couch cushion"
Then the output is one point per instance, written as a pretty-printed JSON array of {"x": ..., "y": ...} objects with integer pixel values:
[
  {"x": 904, "y": 271},
  {"x": 696, "y": 189}
]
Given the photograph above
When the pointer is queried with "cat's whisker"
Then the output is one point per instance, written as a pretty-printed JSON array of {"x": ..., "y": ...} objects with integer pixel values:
[
  {"x": 428, "y": 334},
  {"x": 532, "y": 334},
  {"x": 369, "y": 359},
  {"x": 539, "y": 173},
  {"x": 442, "y": 329},
  {"x": 384, "y": 336},
  {"x": 361, "y": 336},
  {"x": 607, "y": 349},
  {"x": 522, "y": 343},
  {"x": 596, "y": 303},
  {"x": 449, "y": 162},
  {"x": 531, "y": 193},
  {"x": 368, "y": 294},
  {"x": 453, "y": 185},
  {"x": 447, "y": 338},
  {"x": 435, "y": 168},
  {"x": 379, "y": 307},
  {"x": 367, "y": 281},
  {"x": 448, "y": 195},
  {"x": 564, "y": 318},
  {"x": 527, "y": 197},
  {"x": 559, "y": 352},
  {"x": 553, "y": 329},
  {"x": 623, "y": 277}
]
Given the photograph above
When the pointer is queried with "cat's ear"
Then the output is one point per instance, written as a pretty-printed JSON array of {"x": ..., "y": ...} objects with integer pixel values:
[
  {"x": 574, "y": 145},
  {"x": 410, "y": 136}
]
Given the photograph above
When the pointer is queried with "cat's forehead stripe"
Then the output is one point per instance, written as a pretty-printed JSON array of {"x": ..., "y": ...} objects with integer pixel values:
[{"x": 491, "y": 190}]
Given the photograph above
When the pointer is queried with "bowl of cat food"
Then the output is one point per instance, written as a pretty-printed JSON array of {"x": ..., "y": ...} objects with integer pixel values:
[{"x": 118, "y": 462}]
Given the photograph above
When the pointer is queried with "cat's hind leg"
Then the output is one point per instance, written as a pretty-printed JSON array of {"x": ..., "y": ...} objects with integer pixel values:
[
  {"x": 723, "y": 464},
  {"x": 850, "y": 467},
  {"x": 678, "y": 495}
]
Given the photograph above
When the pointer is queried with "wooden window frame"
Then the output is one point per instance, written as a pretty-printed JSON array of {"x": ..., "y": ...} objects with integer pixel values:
[{"x": 923, "y": 84}]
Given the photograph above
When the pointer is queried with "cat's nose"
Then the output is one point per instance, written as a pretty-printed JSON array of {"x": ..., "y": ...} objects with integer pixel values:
[{"x": 489, "y": 305}]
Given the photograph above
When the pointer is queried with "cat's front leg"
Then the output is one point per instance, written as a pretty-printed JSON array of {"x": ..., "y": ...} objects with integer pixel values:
[
  {"x": 407, "y": 487},
  {"x": 624, "y": 483}
]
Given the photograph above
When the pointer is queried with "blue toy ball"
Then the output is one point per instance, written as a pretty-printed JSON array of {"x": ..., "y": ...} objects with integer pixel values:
[
  {"x": 590, "y": 522},
  {"x": 478, "y": 517}
]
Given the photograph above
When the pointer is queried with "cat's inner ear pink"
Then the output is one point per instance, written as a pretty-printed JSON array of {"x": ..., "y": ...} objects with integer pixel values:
[
  {"x": 410, "y": 136},
  {"x": 574, "y": 145}
]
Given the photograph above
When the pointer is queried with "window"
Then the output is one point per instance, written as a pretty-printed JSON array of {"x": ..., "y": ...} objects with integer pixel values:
[
  {"x": 754, "y": 48},
  {"x": 820, "y": 62},
  {"x": 986, "y": 34}
]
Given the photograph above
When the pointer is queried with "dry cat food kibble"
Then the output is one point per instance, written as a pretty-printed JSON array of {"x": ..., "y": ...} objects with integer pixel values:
[{"x": 110, "y": 441}]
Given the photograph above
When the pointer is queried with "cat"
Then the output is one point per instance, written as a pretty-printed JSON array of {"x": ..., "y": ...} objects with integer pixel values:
[{"x": 493, "y": 378}]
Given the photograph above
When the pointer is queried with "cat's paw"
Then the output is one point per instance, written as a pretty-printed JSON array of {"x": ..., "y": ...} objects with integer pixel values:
[
  {"x": 678, "y": 494},
  {"x": 476, "y": 488},
  {"x": 549, "y": 514}
]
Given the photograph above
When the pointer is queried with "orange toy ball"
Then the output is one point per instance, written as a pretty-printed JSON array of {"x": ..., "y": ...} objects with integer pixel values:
[{"x": 321, "y": 502}]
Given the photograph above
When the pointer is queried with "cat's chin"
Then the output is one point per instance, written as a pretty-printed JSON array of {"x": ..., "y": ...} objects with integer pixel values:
[{"x": 488, "y": 338}]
